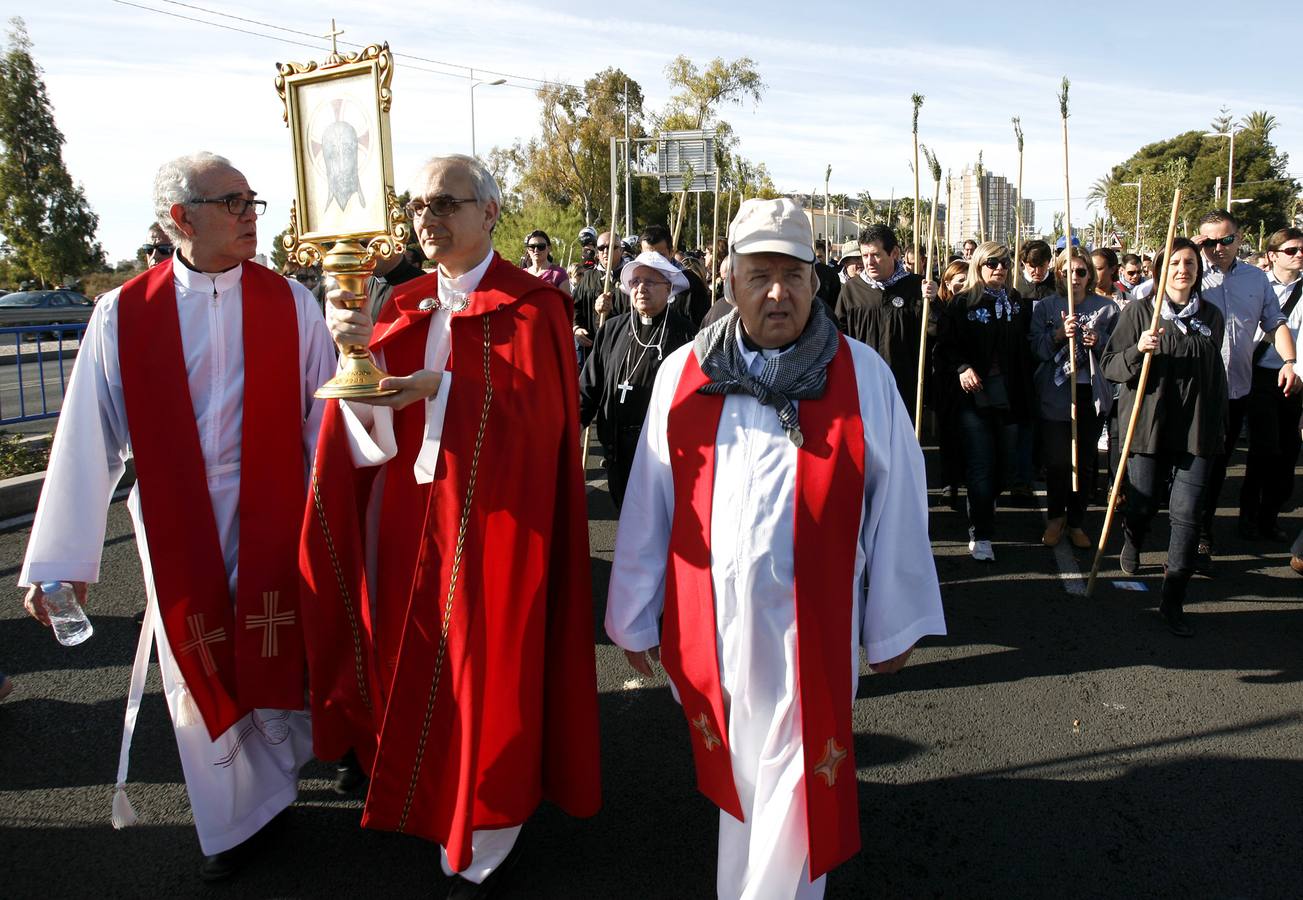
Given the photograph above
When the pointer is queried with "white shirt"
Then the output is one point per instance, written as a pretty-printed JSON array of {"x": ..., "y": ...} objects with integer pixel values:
[
  {"x": 1271, "y": 359},
  {"x": 92, "y": 443},
  {"x": 371, "y": 428}
]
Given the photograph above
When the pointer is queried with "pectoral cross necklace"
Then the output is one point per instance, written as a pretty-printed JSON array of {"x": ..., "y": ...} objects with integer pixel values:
[{"x": 624, "y": 386}]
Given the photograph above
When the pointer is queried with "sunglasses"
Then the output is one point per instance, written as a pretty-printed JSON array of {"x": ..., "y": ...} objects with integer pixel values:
[
  {"x": 1225, "y": 242},
  {"x": 603, "y": 247},
  {"x": 537, "y": 248},
  {"x": 1081, "y": 273},
  {"x": 1000, "y": 263},
  {"x": 151, "y": 249},
  {"x": 440, "y": 206},
  {"x": 1290, "y": 251}
]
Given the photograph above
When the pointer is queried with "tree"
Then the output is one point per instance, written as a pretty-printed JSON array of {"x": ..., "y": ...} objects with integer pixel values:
[
  {"x": 700, "y": 92},
  {"x": 1261, "y": 121},
  {"x": 48, "y": 227},
  {"x": 694, "y": 105},
  {"x": 1194, "y": 163},
  {"x": 568, "y": 164}
]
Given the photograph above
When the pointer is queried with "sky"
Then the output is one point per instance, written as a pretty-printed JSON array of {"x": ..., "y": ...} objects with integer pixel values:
[{"x": 136, "y": 83}]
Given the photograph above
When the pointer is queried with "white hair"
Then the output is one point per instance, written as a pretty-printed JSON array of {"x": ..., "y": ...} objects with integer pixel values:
[
  {"x": 483, "y": 183},
  {"x": 175, "y": 183}
]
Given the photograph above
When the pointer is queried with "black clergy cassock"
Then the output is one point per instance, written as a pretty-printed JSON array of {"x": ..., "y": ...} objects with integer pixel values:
[
  {"x": 618, "y": 359},
  {"x": 888, "y": 320},
  {"x": 588, "y": 289}
]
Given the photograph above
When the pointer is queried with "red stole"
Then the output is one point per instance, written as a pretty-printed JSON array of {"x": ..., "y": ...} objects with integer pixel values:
[
  {"x": 232, "y": 659},
  {"x": 829, "y": 500}
]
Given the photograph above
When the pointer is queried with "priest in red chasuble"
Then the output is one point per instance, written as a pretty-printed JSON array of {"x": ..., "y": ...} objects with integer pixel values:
[
  {"x": 202, "y": 371},
  {"x": 775, "y": 523},
  {"x": 445, "y": 549}
]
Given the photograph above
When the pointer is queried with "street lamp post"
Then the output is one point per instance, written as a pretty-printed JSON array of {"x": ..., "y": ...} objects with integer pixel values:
[
  {"x": 1230, "y": 162},
  {"x": 1140, "y": 180},
  {"x": 474, "y": 85}
]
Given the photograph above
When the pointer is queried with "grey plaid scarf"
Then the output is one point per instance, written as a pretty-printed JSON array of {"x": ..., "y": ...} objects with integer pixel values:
[
  {"x": 801, "y": 373},
  {"x": 891, "y": 279}
]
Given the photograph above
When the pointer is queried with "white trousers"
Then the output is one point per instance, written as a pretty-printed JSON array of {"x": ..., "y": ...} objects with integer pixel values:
[
  {"x": 239, "y": 782},
  {"x": 766, "y": 857},
  {"x": 488, "y": 849}
]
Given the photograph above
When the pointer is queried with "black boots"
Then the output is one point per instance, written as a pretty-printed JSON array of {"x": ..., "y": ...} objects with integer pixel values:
[{"x": 1172, "y": 607}]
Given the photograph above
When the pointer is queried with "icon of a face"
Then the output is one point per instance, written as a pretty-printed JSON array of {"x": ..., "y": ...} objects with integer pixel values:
[{"x": 339, "y": 150}]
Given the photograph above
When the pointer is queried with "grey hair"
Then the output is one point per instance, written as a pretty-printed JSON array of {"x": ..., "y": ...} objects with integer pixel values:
[
  {"x": 482, "y": 180},
  {"x": 175, "y": 183}
]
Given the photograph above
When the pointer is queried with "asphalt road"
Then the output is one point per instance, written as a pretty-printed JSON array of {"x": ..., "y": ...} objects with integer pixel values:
[{"x": 1049, "y": 746}]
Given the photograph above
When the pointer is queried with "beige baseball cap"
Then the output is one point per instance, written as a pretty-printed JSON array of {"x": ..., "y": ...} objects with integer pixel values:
[{"x": 771, "y": 226}]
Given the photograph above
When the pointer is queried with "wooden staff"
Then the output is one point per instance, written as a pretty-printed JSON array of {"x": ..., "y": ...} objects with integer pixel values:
[
  {"x": 827, "y": 243},
  {"x": 981, "y": 201},
  {"x": 613, "y": 252},
  {"x": 917, "y": 100},
  {"x": 714, "y": 240},
  {"x": 950, "y": 212},
  {"x": 1160, "y": 296},
  {"x": 1072, "y": 306},
  {"x": 1017, "y": 213},
  {"x": 927, "y": 306}
]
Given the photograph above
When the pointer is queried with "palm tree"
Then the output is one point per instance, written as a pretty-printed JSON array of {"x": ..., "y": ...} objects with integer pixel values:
[
  {"x": 1100, "y": 189},
  {"x": 1260, "y": 121}
]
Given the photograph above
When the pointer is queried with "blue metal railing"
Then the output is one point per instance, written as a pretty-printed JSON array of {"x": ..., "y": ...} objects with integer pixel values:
[{"x": 50, "y": 359}]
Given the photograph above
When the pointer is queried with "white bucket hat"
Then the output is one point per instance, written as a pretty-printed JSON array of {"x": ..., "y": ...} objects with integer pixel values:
[{"x": 653, "y": 260}]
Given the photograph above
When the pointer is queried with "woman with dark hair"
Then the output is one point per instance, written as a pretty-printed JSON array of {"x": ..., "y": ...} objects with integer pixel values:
[
  {"x": 1105, "y": 262},
  {"x": 1181, "y": 424},
  {"x": 538, "y": 249},
  {"x": 1057, "y": 393},
  {"x": 982, "y": 343}
]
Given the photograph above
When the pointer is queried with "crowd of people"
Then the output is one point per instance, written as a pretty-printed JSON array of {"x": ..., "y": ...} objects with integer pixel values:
[{"x": 421, "y": 552}]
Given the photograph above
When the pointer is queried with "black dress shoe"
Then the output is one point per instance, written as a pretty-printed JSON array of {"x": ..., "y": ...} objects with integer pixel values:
[
  {"x": 223, "y": 866},
  {"x": 349, "y": 777}
]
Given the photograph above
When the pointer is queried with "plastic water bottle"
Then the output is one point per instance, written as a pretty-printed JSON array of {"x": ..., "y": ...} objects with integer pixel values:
[{"x": 68, "y": 619}]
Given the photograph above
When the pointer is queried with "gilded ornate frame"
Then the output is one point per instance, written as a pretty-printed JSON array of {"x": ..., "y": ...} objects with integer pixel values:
[{"x": 376, "y": 63}]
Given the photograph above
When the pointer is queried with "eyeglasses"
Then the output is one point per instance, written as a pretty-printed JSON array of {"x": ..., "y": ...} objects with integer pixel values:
[
  {"x": 1225, "y": 241},
  {"x": 1290, "y": 251},
  {"x": 603, "y": 247},
  {"x": 635, "y": 283},
  {"x": 236, "y": 206},
  {"x": 151, "y": 249},
  {"x": 537, "y": 248},
  {"x": 999, "y": 263},
  {"x": 1081, "y": 273},
  {"x": 440, "y": 206}
]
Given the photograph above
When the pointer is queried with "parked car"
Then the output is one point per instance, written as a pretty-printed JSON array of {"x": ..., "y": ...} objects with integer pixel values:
[{"x": 44, "y": 308}]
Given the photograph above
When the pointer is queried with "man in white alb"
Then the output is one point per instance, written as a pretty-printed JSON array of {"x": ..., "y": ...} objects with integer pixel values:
[
  {"x": 775, "y": 522},
  {"x": 202, "y": 370}
]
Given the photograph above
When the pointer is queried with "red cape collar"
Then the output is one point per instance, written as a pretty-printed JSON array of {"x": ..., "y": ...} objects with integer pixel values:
[{"x": 501, "y": 285}]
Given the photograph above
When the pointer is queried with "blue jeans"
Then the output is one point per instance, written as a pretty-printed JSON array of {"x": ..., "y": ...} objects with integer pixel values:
[
  {"x": 1146, "y": 475},
  {"x": 988, "y": 439}
]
